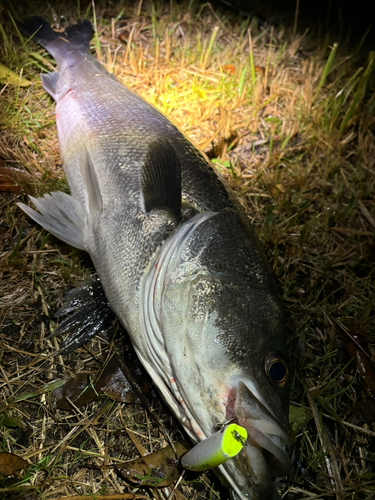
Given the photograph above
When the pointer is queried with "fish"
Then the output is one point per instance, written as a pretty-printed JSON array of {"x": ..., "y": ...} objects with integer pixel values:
[{"x": 178, "y": 261}]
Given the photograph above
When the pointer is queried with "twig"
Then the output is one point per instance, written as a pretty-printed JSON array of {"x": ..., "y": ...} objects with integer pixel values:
[{"x": 330, "y": 458}]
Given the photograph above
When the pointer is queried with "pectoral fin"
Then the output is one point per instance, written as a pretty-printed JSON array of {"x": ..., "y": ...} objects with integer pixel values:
[
  {"x": 90, "y": 180},
  {"x": 61, "y": 215},
  {"x": 161, "y": 177}
]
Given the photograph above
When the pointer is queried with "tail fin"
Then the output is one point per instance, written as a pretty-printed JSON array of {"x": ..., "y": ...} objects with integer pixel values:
[
  {"x": 80, "y": 33},
  {"x": 39, "y": 29},
  {"x": 58, "y": 44}
]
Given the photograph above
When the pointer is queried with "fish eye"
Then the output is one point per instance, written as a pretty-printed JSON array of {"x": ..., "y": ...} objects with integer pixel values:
[{"x": 277, "y": 368}]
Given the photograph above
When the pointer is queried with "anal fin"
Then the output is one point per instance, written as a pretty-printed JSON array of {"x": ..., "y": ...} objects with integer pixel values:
[{"x": 61, "y": 215}]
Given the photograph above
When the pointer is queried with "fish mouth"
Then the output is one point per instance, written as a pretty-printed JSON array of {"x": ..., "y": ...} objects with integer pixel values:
[
  {"x": 266, "y": 453},
  {"x": 264, "y": 431}
]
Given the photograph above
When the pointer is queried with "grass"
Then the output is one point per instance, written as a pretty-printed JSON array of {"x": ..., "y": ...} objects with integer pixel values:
[{"x": 289, "y": 122}]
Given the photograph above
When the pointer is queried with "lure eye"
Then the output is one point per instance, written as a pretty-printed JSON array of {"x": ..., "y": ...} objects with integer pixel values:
[{"x": 276, "y": 368}]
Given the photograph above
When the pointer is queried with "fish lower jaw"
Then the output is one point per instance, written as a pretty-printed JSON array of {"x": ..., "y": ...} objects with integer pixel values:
[
  {"x": 264, "y": 435},
  {"x": 249, "y": 479}
]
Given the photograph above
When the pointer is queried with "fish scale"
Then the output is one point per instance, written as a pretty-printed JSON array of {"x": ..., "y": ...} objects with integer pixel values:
[
  {"x": 125, "y": 136},
  {"x": 178, "y": 262}
]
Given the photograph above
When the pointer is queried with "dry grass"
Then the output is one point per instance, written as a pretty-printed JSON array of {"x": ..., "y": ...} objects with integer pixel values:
[{"x": 291, "y": 128}]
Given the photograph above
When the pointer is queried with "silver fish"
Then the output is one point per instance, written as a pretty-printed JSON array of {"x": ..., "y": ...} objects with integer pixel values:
[{"x": 178, "y": 261}]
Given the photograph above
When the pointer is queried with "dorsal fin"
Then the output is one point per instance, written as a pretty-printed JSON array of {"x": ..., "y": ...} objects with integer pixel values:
[
  {"x": 91, "y": 183},
  {"x": 161, "y": 177}
]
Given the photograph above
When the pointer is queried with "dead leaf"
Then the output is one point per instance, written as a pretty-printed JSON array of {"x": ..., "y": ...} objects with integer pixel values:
[
  {"x": 273, "y": 190},
  {"x": 139, "y": 447},
  {"x": 9, "y": 421},
  {"x": 156, "y": 469},
  {"x": 77, "y": 390},
  {"x": 114, "y": 384},
  {"x": 111, "y": 382},
  {"x": 124, "y": 37},
  {"x": 10, "y": 77},
  {"x": 220, "y": 149},
  {"x": 10, "y": 463},
  {"x": 260, "y": 70},
  {"x": 13, "y": 179},
  {"x": 230, "y": 69}
]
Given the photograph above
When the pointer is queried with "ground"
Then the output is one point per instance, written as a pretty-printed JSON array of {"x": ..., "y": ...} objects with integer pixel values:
[{"x": 287, "y": 117}]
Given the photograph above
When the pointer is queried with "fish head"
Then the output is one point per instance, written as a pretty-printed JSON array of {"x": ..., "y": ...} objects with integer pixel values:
[{"x": 224, "y": 334}]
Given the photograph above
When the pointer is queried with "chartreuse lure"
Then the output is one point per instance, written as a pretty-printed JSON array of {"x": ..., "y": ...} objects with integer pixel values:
[{"x": 216, "y": 449}]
